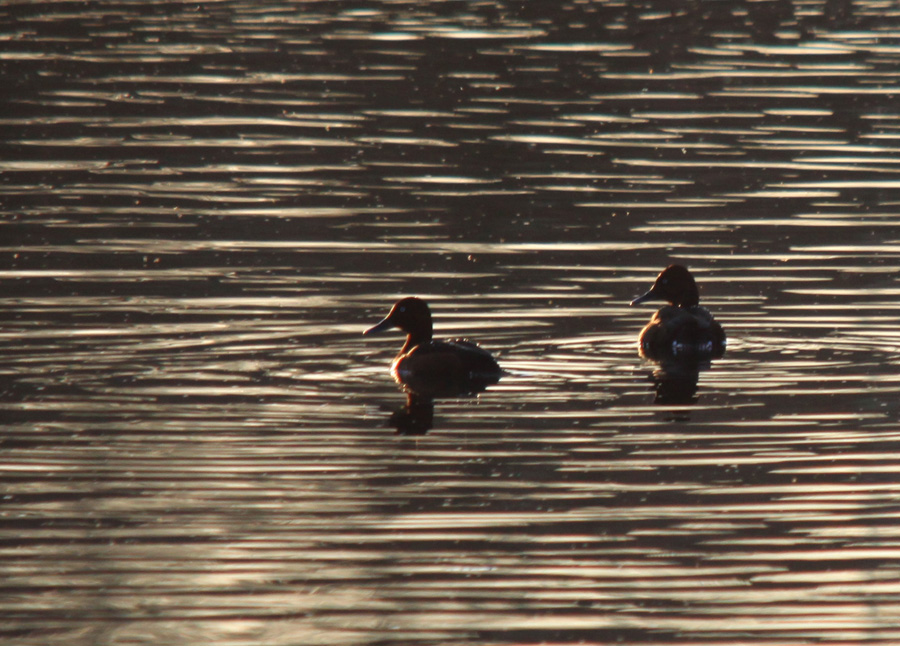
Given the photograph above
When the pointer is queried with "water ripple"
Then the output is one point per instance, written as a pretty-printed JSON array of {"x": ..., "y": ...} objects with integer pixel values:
[{"x": 204, "y": 206}]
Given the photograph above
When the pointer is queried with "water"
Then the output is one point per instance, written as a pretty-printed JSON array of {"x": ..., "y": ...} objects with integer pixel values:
[{"x": 203, "y": 207}]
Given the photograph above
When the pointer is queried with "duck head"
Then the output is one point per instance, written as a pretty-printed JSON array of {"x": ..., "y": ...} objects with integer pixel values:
[
  {"x": 674, "y": 285},
  {"x": 410, "y": 315}
]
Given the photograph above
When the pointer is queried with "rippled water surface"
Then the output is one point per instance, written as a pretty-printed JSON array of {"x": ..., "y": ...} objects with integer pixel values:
[{"x": 203, "y": 205}]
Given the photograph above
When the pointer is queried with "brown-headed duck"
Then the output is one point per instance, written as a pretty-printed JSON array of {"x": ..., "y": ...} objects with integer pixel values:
[
  {"x": 682, "y": 329},
  {"x": 432, "y": 367}
]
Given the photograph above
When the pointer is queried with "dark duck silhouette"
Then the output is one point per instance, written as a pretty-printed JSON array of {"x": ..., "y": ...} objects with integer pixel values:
[
  {"x": 683, "y": 329},
  {"x": 435, "y": 368}
]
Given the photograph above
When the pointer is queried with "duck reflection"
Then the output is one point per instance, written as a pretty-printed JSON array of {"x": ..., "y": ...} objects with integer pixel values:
[
  {"x": 428, "y": 369},
  {"x": 416, "y": 417},
  {"x": 675, "y": 382},
  {"x": 682, "y": 337}
]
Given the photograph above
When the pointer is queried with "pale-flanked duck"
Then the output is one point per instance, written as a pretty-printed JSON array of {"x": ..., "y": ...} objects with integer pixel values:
[
  {"x": 431, "y": 367},
  {"x": 683, "y": 328}
]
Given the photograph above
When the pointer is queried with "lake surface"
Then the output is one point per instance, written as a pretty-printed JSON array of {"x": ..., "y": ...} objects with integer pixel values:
[{"x": 203, "y": 205}]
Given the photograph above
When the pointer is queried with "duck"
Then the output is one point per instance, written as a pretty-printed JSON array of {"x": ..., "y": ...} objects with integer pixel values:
[
  {"x": 683, "y": 329},
  {"x": 431, "y": 367}
]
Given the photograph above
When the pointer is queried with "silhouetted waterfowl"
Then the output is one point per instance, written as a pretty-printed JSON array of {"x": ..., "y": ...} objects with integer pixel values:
[
  {"x": 683, "y": 328},
  {"x": 435, "y": 368}
]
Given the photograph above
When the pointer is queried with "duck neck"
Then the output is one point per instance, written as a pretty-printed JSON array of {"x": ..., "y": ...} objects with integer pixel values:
[
  {"x": 689, "y": 296},
  {"x": 690, "y": 299},
  {"x": 417, "y": 337}
]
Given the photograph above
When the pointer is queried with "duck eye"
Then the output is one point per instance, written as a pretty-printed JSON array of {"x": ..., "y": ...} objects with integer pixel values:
[{"x": 402, "y": 309}]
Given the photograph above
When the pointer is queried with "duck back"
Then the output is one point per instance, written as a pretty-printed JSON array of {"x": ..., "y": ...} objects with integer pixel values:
[
  {"x": 452, "y": 366},
  {"x": 682, "y": 332}
]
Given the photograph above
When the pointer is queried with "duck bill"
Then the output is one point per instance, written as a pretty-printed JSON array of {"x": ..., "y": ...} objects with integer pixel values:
[
  {"x": 644, "y": 298},
  {"x": 386, "y": 324}
]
